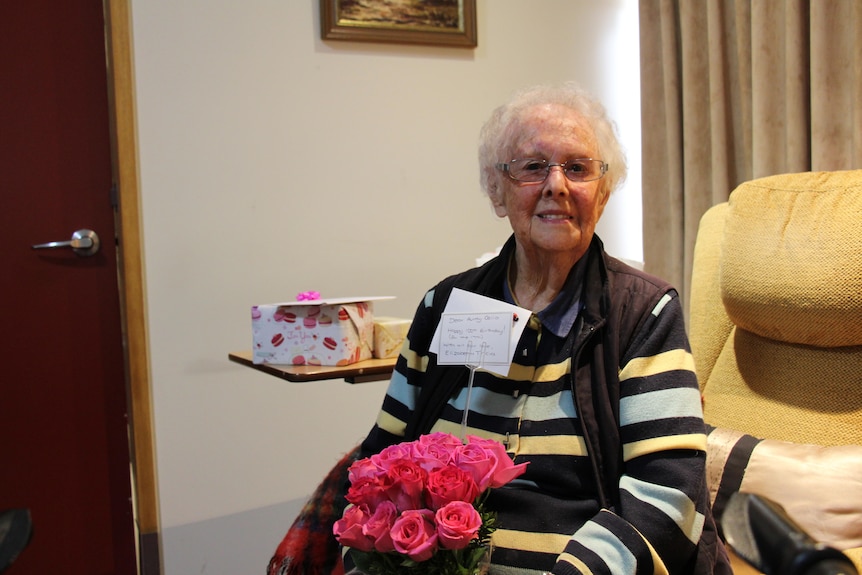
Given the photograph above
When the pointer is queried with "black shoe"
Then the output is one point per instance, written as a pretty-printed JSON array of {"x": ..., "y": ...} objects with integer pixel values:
[{"x": 16, "y": 528}]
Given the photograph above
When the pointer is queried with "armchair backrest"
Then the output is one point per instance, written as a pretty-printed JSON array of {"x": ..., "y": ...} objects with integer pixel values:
[{"x": 776, "y": 308}]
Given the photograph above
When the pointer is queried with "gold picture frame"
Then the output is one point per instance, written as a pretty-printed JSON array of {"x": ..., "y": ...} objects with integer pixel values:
[{"x": 431, "y": 23}]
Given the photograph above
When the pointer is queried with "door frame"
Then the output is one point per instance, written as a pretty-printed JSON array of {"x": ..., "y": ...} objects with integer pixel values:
[{"x": 133, "y": 309}]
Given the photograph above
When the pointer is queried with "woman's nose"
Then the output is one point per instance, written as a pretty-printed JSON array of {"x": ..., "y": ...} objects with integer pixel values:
[{"x": 556, "y": 182}]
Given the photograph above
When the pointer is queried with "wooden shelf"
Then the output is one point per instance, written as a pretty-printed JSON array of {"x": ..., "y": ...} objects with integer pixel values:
[{"x": 360, "y": 372}]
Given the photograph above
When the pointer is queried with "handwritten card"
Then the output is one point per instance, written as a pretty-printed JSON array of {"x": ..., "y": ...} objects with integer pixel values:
[
  {"x": 464, "y": 302},
  {"x": 475, "y": 339}
]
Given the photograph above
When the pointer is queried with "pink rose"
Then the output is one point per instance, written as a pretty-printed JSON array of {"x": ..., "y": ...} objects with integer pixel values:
[
  {"x": 348, "y": 530},
  {"x": 368, "y": 491},
  {"x": 414, "y": 534},
  {"x": 501, "y": 469},
  {"x": 378, "y": 525},
  {"x": 406, "y": 483},
  {"x": 448, "y": 484},
  {"x": 435, "y": 450},
  {"x": 458, "y": 523},
  {"x": 445, "y": 440},
  {"x": 363, "y": 468},
  {"x": 476, "y": 461},
  {"x": 392, "y": 453}
]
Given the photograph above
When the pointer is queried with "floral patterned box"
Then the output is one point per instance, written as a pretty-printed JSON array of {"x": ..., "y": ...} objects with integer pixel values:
[{"x": 314, "y": 332}]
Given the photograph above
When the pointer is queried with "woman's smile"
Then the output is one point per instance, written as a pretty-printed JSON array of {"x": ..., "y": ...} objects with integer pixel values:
[{"x": 552, "y": 217}]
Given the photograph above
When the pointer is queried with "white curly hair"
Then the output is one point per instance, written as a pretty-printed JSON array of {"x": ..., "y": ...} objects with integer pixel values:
[{"x": 499, "y": 133}]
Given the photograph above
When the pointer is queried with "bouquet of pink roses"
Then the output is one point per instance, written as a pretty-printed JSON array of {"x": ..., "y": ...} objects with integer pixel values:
[{"x": 417, "y": 507}]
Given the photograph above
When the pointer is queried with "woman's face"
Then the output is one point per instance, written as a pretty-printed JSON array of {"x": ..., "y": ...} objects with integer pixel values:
[{"x": 556, "y": 215}]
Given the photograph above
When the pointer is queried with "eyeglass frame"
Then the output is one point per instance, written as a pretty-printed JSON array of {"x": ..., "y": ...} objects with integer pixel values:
[{"x": 504, "y": 167}]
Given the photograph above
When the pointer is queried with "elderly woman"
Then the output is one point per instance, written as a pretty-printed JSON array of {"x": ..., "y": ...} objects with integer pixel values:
[{"x": 601, "y": 398}]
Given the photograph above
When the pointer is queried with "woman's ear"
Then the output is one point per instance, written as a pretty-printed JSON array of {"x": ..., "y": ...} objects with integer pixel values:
[
  {"x": 605, "y": 195},
  {"x": 495, "y": 194}
]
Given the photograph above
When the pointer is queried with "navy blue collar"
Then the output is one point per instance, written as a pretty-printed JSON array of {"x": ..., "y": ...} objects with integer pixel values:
[{"x": 560, "y": 315}]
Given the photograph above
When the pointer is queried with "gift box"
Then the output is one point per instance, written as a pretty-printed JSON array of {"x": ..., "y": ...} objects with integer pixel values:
[
  {"x": 332, "y": 332},
  {"x": 389, "y": 336}
]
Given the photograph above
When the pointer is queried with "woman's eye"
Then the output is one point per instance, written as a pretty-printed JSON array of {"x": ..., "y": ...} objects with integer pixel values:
[
  {"x": 533, "y": 165},
  {"x": 578, "y": 168}
]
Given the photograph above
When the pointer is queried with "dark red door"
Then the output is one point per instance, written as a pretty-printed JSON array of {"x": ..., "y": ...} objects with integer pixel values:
[{"x": 63, "y": 435}]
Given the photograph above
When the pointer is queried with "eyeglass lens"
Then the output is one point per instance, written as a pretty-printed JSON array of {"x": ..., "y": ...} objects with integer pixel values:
[{"x": 535, "y": 170}]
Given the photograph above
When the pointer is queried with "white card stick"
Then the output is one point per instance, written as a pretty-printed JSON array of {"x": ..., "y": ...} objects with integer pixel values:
[{"x": 472, "y": 367}]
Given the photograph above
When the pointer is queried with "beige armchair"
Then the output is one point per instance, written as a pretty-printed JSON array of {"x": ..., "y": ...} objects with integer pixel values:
[{"x": 776, "y": 334}]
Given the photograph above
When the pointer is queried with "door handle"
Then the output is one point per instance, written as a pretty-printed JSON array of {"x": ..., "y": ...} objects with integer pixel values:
[{"x": 84, "y": 243}]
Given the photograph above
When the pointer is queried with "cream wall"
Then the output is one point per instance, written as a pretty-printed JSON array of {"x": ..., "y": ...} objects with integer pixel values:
[{"x": 272, "y": 163}]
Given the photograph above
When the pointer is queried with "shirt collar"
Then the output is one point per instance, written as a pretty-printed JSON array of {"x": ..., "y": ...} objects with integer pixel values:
[{"x": 560, "y": 315}]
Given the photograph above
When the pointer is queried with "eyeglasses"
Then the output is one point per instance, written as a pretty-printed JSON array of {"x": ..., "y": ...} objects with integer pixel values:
[{"x": 536, "y": 170}]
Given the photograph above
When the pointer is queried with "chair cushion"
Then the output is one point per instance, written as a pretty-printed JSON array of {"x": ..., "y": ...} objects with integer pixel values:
[
  {"x": 784, "y": 391},
  {"x": 801, "y": 235}
]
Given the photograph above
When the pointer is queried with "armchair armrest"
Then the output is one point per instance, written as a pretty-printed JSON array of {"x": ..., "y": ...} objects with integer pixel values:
[{"x": 819, "y": 487}]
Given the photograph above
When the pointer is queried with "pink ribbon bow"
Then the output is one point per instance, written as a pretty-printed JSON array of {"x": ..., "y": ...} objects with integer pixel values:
[{"x": 307, "y": 296}]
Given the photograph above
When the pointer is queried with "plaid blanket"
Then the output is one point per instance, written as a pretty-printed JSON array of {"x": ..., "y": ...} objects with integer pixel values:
[{"x": 309, "y": 548}]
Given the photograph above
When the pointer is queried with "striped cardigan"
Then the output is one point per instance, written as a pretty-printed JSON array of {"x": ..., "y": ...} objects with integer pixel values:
[{"x": 608, "y": 416}]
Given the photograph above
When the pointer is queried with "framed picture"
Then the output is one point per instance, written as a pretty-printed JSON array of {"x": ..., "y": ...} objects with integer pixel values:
[{"x": 428, "y": 22}]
